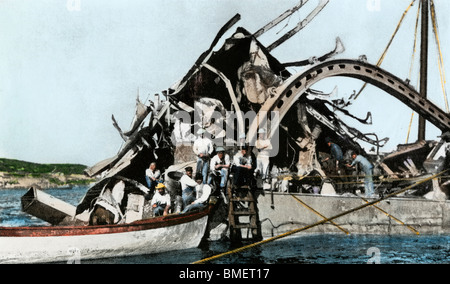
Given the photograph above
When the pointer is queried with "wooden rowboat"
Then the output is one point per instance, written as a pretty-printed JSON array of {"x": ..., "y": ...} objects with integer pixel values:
[{"x": 75, "y": 243}]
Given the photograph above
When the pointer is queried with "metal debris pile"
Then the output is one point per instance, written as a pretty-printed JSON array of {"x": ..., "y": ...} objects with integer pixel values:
[
  {"x": 242, "y": 78},
  {"x": 241, "y": 91}
]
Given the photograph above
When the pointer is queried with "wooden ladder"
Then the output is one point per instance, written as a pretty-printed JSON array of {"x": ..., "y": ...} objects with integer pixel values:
[{"x": 243, "y": 204}]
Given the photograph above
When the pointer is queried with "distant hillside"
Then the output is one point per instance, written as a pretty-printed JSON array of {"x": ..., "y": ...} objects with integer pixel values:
[
  {"x": 17, "y": 166},
  {"x": 22, "y": 174}
]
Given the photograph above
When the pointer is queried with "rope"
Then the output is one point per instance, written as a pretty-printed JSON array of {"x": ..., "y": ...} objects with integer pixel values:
[
  {"x": 409, "y": 128},
  {"x": 317, "y": 213},
  {"x": 380, "y": 177},
  {"x": 440, "y": 59},
  {"x": 412, "y": 115},
  {"x": 389, "y": 44},
  {"x": 416, "y": 29},
  {"x": 318, "y": 223},
  {"x": 395, "y": 219}
]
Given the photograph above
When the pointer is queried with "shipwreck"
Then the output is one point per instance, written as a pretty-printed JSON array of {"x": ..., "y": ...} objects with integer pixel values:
[
  {"x": 238, "y": 90},
  {"x": 242, "y": 77}
]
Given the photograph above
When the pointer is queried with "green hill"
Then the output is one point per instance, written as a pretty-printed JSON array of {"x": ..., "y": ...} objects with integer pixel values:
[
  {"x": 22, "y": 167},
  {"x": 22, "y": 174}
]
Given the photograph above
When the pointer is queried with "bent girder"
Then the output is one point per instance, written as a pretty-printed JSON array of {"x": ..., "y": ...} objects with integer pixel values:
[{"x": 289, "y": 92}]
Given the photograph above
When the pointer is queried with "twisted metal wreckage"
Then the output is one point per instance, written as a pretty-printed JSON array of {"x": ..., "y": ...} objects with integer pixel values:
[
  {"x": 243, "y": 77},
  {"x": 218, "y": 94}
]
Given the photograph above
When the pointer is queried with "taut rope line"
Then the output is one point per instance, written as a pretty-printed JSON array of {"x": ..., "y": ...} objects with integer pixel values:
[{"x": 320, "y": 222}]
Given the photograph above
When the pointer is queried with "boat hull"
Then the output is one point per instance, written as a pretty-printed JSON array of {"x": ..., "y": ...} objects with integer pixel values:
[{"x": 73, "y": 244}]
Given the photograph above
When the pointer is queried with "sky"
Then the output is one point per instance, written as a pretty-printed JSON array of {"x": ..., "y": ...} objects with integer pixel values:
[{"x": 66, "y": 66}]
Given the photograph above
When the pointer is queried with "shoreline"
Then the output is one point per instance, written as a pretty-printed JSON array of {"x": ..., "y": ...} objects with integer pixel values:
[
  {"x": 70, "y": 187},
  {"x": 53, "y": 180}
]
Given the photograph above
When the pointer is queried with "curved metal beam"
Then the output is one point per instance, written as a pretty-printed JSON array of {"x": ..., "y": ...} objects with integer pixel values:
[{"x": 297, "y": 85}]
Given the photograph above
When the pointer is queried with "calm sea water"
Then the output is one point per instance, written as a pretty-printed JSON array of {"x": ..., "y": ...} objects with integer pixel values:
[{"x": 312, "y": 249}]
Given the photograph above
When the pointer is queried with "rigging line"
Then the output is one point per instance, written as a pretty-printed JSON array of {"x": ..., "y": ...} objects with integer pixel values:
[
  {"x": 415, "y": 41},
  {"x": 394, "y": 218},
  {"x": 409, "y": 127},
  {"x": 416, "y": 29},
  {"x": 318, "y": 213},
  {"x": 356, "y": 177},
  {"x": 301, "y": 4},
  {"x": 280, "y": 18},
  {"x": 286, "y": 25},
  {"x": 412, "y": 115},
  {"x": 440, "y": 59},
  {"x": 389, "y": 44},
  {"x": 436, "y": 31},
  {"x": 318, "y": 223}
]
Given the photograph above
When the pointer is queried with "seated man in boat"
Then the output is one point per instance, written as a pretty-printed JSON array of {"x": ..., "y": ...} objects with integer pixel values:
[
  {"x": 203, "y": 192},
  {"x": 220, "y": 164},
  {"x": 161, "y": 201},
  {"x": 242, "y": 167},
  {"x": 152, "y": 176},
  {"x": 187, "y": 187}
]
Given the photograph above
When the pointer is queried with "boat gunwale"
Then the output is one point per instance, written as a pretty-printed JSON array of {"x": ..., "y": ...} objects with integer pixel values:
[{"x": 140, "y": 225}]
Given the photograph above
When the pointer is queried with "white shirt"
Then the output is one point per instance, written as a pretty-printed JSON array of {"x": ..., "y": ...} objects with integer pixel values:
[
  {"x": 187, "y": 181},
  {"x": 241, "y": 160},
  {"x": 203, "y": 193},
  {"x": 264, "y": 146},
  {"x": 161, "y": 199},
  {"x": 216, "y": 161},
  {"x": 152, "y": 174},
  {"x": 202, "y": 146}
]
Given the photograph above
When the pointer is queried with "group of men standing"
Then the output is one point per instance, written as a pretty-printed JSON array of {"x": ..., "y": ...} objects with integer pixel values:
[
  {"x": 196, "y": 189},
  {"x": 221, "y": 164}
]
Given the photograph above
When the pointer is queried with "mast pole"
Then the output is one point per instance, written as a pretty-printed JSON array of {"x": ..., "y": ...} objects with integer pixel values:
[{"x": 423, "y": 63}]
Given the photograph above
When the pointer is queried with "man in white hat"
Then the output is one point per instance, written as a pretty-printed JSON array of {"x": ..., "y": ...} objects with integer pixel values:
[{"x": 203, "y": 147}]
